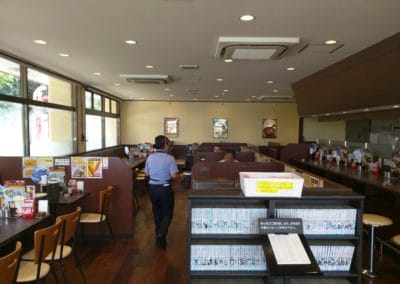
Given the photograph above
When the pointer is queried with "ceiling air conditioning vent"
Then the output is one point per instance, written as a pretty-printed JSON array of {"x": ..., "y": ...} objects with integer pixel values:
[
  {"x": 146, "y": 79},
  {"x": 254, "y": 48}
]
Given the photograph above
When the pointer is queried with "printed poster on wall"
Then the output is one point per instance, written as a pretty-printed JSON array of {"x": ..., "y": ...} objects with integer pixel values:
[
  {"x": 29, "y": 164},
  {"x": 94, "y": 167},
  {"x": 78, "y": 166}
]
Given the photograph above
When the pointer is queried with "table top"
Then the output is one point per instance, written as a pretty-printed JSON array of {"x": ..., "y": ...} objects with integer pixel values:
[
  {"x": 70, "y": 198},
  {"x": 134, "y": 163},
  {"x": 389, "y": 185},
  {"x": 11, "y": 229}
]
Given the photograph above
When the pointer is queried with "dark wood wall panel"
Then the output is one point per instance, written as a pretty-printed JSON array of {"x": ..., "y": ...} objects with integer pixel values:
[{"x": 367, "y": 79}]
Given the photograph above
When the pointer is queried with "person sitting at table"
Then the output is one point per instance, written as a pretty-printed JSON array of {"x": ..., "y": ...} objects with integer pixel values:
[
  {"x": 229, "y": 156},
  {"x": 217, "y": 148}
]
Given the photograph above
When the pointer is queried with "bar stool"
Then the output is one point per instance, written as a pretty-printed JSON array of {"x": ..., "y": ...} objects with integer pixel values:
[{"x": 374, "y": 221}]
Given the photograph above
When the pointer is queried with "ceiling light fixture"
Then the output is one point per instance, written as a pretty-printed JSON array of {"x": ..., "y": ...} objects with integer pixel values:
[
  {"x": 366, "y": 109},
  {"x": 330, "y": 42},
  {"x": 247, "y": 18},
  {"x": 291, "y": 68},
  {"x": 216, "y": 96},
  {"x": 396, "y": 106},
  {"x": 149, "y": 66},
  {"x": 40, "y": 41},
  {"x": 97, "y": 73},
  {"x": 228, "y": 60},
  {"x": 220, "y": 79},
  {"x": 171, "y": 95},
  {"x": 64, "y": 54},
  {"x": 131, "y": 42},
  {"x": 117, "y": 84},
  {"x": 270, "y": 82},
  {"x": 253, "y": 96},
  {"x": 226, "y": 90},
  {"x": 275, "y": 91},
  {"x": 166, "y": 89}
]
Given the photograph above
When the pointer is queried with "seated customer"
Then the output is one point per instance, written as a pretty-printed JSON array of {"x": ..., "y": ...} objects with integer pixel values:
[
  {"x": 217, "y": 148},
  {"x": 229, "y": 156}
]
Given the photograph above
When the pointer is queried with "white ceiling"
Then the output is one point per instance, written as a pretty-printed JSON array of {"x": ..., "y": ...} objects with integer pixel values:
[{"x": 174, "y": 32}]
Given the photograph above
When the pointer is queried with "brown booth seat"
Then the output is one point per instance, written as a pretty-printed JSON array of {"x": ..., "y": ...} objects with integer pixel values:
[
  {"x": 209, "y": 146},
  {"x": 217, "y": 174},
  {"x": 218, "y": 156},
  {"x": 294, "y": 152}
]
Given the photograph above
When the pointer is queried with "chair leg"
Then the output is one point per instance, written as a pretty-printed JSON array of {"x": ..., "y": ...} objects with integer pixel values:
[
  {"x": 109, "y": 228},
  {"x": 63, "y": 270},
  {"x": 370, "y": 272},
  {"x": 54, "y": 274},
  {"x": 136, "y": 198},
  {"x": 78, "y": 263}
]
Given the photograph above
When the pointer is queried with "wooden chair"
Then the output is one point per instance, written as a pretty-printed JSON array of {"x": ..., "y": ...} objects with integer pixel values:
[
  {"x": 9, "y": 265},
  {"x": 45, "y": 243},
  {"x": 66, "y": 243},
  {"x": 101, "y": 216}
]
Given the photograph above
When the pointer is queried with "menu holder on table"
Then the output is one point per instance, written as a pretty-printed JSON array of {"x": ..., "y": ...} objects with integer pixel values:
[{"x": 286, "y": 249}]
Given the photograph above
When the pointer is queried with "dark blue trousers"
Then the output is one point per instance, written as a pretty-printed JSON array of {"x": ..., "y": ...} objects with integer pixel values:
[{"x": 162, "y": 200}]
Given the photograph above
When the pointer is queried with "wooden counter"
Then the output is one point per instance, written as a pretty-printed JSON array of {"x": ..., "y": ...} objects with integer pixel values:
[{"x": 382, "y": 196}]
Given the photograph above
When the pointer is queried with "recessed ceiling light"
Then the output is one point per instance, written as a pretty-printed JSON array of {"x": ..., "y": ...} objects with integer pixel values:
[
  {"x": 171, "y": 95},
  {"x": 327, "y": 114},
  {"x": 117, "y": 84},
  {"x": 97, "y": 73},
  {"x": 40, "y": 41},
  {"x": 331, "y": 41},
  {"x": 228, "y": 60},
  {"x": 216, "y": 96},
  {"x": 290, "y": 68},
  {"x": 220, "y": 79},
  {"x": 275, "y": 91},
  {"x": 226, "y": 90},
  {"x": 270, "y": 82},
  {"x": 149, "y": 66},
  {"x": 366, "y": 109},
  {"x": 130, "y": 41},
  {"x": 396, "y": 106},
  {"x": 253, "y": 96},
  {"x": 247, "y": 18},
  {"x": 166, "y": 89},
  {"x": 64, "y": 54},
  {"x": 344, "y": 112}
]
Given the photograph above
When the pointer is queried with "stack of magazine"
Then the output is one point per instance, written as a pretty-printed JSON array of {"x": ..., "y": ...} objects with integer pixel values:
[
  {"x": 322, "y": 220},
  {"x": 236, "y": 220},
  {"x": 227, "y": 258},
  {"x": 335, "y": 256}
]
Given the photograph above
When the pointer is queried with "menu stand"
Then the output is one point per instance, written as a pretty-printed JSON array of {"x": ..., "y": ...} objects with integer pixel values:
[{"x": 281, "y": 234}]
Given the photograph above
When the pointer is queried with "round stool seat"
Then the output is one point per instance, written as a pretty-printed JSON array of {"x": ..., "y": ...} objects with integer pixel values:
[
  {"x": 396, "y": 239},
  {"x": 376, "y": 220}
]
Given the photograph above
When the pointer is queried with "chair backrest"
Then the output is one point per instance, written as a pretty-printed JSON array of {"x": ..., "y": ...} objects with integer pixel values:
[
  {"x": 69, "y": 225},
  {"x": 9, "y": 265},
  {"x": 104, "y": 199},
  {"x": 46, "y": 241}
]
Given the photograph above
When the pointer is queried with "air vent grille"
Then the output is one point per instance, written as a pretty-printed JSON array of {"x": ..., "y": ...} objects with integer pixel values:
[{"x": 146, "y": 78}]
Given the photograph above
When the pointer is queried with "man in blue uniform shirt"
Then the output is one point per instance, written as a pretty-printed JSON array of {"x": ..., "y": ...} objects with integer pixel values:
[{"x": 161, "y": 168}]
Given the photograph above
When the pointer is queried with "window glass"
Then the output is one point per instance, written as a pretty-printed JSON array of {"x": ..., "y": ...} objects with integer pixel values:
[
  {"x": 50, "y": 131},
  {"x": 111, "y": 131},
  {"x": 96, "y": 102},
  {"x": 93, "y": 132},
  {"x": 113, "y": 107},
  {"x": 9, "y": 78},
  {"x": 11, "y": 129},
  {"x": 48, "y": 89},
  {"x": 88, "y": 100},
  {"x": 106, "y": 104}
]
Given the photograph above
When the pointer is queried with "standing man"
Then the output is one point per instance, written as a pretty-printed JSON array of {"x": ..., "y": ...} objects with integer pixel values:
[{"x": 161, "y": 168}]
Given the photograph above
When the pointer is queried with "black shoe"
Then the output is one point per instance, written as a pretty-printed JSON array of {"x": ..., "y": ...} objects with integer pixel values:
[{"x": 161, "y": 241}]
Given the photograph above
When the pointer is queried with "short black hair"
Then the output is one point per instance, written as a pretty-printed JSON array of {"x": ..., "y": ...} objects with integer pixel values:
[
  {"x": 230, "y": 151},
  {"x": 160, "y": 141}
]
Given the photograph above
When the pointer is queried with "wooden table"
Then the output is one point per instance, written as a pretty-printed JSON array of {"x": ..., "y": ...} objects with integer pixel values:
[
  {"x": 20, "y": 229},
  {"x": 135, "y": 163},
  {"x": 65, "y": 203}
]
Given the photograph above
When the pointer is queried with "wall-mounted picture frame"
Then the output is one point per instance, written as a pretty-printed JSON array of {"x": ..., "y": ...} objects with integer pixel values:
[
  {"x": 171, "y": 126},
  {"x": 220, "y": 127},
  {"x": 269, "y": 128}
]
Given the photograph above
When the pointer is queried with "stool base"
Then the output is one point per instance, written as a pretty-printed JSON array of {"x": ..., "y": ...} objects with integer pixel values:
[{"x": 370, "y": 274}]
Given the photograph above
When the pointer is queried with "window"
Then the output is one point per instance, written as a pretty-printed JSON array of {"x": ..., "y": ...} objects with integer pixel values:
[
  {"x": 9, "y": 78},
  {"x": 50, "y": 131},
  {"x": 97, "y": 102},
  {"x": 93, "y": 132},
  {"x": 102, "y": 121},
  {"x": 111, "y": 130},
  {"x": 48, "y": 89},
  {"x": 11, "y": 129}
]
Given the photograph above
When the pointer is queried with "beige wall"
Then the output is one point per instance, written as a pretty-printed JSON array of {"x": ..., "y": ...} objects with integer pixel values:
[
  {"x": 334, "y": 130},
  {"x": 142, "y": 121}
]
